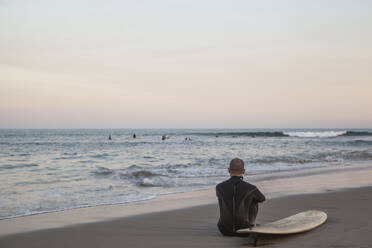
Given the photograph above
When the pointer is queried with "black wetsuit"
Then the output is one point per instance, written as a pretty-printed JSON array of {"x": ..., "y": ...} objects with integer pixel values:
[{"x": 238, "y": 202}]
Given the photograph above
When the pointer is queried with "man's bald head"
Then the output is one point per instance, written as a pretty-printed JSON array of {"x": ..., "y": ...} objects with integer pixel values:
[{"x": 236, "y": 167}]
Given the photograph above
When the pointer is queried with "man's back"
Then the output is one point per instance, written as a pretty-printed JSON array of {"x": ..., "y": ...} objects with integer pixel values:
[{"x": 238, "y": 202}]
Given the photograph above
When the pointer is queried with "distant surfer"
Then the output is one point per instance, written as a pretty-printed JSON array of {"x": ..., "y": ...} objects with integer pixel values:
[
  {"x": 134, "y": 136},
  {"x": 109, "y": 137},
  {"x": 163, "y": 137},
  {"x": 238, "y": 201}
]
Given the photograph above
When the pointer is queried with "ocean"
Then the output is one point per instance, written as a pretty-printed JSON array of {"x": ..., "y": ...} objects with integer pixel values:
[{"x": 47, "y": 170}]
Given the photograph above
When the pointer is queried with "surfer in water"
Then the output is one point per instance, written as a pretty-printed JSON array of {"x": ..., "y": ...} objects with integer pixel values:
[{"x": 238, "y": 201}]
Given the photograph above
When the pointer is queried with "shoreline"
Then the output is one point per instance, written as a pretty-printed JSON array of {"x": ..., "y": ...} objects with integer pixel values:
[
  {"x": 274, "y": 185},
  {"x": 253, "y": 178}
]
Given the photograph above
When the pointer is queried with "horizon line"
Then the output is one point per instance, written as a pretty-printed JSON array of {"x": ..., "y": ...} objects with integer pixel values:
[{"x": 174, "y": 128}]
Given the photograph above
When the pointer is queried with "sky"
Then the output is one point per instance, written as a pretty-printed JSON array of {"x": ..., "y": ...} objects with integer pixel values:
[{"x": 186, "y": 64}]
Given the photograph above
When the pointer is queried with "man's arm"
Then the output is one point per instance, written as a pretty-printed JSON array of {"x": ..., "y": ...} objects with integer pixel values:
[
  {"x": 258, "y": 196},
  {"x": 218, "y": 191}
]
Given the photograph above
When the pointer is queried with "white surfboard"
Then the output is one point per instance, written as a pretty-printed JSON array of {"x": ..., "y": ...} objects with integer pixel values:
[{"x": 301, "y": 222}]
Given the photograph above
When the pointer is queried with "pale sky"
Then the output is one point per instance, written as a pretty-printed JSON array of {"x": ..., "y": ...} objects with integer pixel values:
[{"x": 185, "y": 64}]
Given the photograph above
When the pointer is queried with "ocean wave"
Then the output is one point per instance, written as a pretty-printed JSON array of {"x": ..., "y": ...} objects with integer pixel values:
[
  {"x": 102, "y": 155},
  {"x": 357, "y": 133},
  {"x": 315, "y": 134},
  {"x": 302, "y": 134},
  {"x": 69, "y": 153},
  {"x": 272, "y": 160},
  {"x": 139, "y": 176},
  {"x": 19, "y": 155},
  {"x": 316, "y": 158},
  {"x": 132, "y": 172},
  {"x": 358, "y": 155},
  {"x": 359, "y": 142},
  {"x": 244, "y": 134},
  {"x": 147, "y": 182},
  {"x": 145, "y": 177},
  {"x": 87, "y": 161},
  {"x": 16, "y": 166},
  {"x": 134, "y": 167},
  {"x": 65, "y": 157},
  {"x": 50, "y": 182},
  {"x": 344, "y": 156},
  {"x": 143, "y": 173},
  {"x": 325, "y": 134},
  {"x": 103, "y": 171}
]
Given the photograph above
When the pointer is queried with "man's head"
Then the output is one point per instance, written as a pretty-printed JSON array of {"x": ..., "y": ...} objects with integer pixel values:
[{"x": 236, "y": 167}]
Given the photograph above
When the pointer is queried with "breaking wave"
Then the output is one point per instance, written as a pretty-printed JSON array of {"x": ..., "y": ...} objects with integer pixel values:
[
  {"x": 301, "y": 134},
  {"x": 320, "y": 134}
]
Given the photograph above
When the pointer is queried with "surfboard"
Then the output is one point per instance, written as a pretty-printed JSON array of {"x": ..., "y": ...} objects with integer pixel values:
[{"x": 301, "y": 222}]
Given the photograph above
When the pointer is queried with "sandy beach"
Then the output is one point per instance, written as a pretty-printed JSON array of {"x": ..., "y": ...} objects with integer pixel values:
[
  {"x": 189, "y": 219},
  {"x": 349, "y": 225}
]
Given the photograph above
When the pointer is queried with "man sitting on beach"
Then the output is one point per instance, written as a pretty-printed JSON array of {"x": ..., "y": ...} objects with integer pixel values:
[{"x": 238, "y": 201}]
